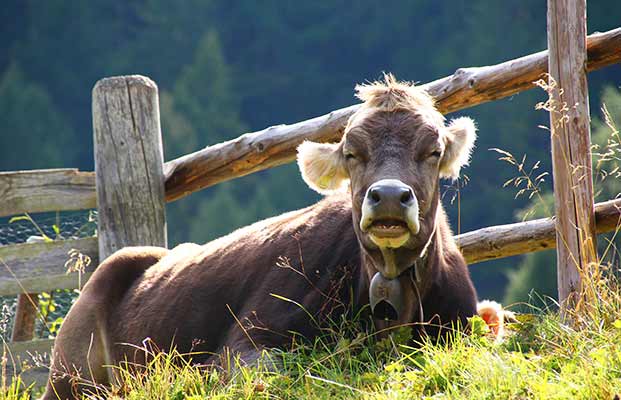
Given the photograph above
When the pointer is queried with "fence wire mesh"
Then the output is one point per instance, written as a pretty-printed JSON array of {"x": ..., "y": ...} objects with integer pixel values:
[
  {"x": 52, "y": 307},
  {"x": 22, "y": 229}
]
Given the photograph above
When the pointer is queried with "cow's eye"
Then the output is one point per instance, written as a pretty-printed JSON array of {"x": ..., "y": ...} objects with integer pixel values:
[
  {"x": 350, "y": 156},
  {"x": 435, "y": 154}
]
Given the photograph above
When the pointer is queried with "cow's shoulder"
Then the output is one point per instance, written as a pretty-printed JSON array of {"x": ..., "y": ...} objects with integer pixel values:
[
  {"x": 324, "y": 219},
  {"x": 325, "y": 225}
]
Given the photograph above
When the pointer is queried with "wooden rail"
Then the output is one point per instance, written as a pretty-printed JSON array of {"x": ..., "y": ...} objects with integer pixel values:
[
  {"x": 46, "y": 190},
  {"x": 276, "y": 145},
  {"x": 40, "y": 267},
  {"x": 526, "y": 237}
]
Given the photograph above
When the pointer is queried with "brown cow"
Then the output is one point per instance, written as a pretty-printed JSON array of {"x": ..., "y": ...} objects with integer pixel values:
[{"x": 250, "y": 290}]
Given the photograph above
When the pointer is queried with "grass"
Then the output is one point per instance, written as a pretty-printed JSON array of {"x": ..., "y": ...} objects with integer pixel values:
[{"x": 541, "y": 358}]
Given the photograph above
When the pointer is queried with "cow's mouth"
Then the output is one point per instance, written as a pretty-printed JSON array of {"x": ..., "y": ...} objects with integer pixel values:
[
  {"x": 388, "y": 228},
  {"x": 389, "y": 233},
  {"x": 389, "y": 214}
]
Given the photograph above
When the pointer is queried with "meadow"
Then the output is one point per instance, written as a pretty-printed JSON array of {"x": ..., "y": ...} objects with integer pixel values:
[{"x": 540, "y": 357}]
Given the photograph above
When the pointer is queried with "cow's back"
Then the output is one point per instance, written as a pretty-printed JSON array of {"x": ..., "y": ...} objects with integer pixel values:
[{"x": 266, "y": 277}]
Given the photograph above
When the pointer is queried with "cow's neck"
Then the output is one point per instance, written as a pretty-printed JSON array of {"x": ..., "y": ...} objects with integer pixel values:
[
  {"x": 418, "y": 266},
  {"x": 415, "y": 281},
  {"x": 389, "y": 260}
]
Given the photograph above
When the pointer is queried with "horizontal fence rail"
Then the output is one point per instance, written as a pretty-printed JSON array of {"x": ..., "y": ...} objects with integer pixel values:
[
  {"x": 42, "y": 267},
  {"x": 276, "y": 145},
  {"x": 46, "y": 190},
  {"x": 526, "y": 237}
]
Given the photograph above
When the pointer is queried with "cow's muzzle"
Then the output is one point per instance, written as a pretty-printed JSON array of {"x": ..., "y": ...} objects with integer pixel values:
[
  {"x": 390, "y": 213},
  {"x": 386, "y": 298}
]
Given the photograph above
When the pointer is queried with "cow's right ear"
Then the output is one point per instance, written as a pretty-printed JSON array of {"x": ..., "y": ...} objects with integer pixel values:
[{"x": 323, "y": 167}]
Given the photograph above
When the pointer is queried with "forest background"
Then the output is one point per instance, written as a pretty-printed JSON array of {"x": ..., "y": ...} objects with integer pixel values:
[{"x": 229, "y": 67}]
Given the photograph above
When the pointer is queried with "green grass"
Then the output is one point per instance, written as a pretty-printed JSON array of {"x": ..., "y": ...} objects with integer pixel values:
[{"x": 541, "y": 359}]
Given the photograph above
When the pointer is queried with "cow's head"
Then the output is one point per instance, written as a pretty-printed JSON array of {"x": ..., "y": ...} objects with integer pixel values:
[{"x": 394, "y": 150}]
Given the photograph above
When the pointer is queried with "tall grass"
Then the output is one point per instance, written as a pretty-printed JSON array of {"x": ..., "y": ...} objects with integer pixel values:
[{"x": 541, "y": 358}]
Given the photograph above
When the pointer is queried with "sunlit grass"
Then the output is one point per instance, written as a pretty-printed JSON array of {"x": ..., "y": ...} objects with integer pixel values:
[{"x": 541, "y": 358}]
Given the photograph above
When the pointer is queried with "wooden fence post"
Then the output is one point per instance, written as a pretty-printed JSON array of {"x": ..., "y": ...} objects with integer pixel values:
[
  {"x": 571, "y": 148},
  {"x": 25, "y": 317},
  {"x": 128, "y": 164}
]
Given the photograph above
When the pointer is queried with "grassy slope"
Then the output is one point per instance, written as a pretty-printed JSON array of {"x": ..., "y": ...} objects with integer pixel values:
[{"x": 541, "y": 359}]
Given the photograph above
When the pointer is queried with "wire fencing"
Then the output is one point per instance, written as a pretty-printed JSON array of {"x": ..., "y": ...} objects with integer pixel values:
[{"x": 53, "y": 306}]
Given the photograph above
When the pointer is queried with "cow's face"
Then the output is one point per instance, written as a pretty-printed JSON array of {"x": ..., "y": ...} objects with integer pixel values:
[{"x": 394, "y": 150}]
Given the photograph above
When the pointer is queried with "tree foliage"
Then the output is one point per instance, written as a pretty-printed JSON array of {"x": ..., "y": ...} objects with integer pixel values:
[{"x": 30, "y": 123}]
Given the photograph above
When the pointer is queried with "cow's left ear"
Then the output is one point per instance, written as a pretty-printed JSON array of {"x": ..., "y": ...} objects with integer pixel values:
[
  {"x": 323, "y": 166},
  {"x": 459, "y": 138}
]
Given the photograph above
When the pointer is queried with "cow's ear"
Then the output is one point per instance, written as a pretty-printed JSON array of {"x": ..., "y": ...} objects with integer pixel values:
[
  {"x": 323, "y": 166},
  {"x": 460, "y": 136}
]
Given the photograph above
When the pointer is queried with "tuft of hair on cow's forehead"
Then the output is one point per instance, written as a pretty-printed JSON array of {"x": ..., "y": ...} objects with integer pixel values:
[{"x": 390, "y": 95}]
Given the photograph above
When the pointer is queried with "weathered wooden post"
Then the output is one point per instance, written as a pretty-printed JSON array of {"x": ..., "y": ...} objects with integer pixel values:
[
  {"x": 571, "y": 147},
  {"x": 25, "y": 311},
  {"x": 128, "y": 164},
  {"x": 25, "y": 317}
]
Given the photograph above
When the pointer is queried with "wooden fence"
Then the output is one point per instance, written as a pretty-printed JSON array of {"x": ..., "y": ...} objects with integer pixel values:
[{"x": 131, "y": 182}]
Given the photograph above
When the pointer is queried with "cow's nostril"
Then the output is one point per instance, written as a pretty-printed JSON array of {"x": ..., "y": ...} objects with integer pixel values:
[
  {"x": 374, "y": 195},
  {"x": 406, "y": 197}
]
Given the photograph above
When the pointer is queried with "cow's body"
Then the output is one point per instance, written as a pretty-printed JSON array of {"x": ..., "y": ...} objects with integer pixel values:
[
  {"x": 250, "y": 290},
  {"x": 310, "y": 256},
  {"x": 195, "y": 296}
]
